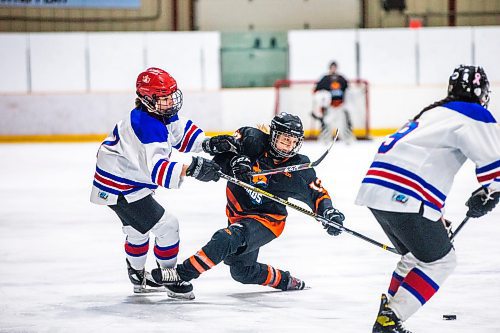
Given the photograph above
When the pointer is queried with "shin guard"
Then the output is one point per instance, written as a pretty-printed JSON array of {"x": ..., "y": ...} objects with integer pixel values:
[{"x": 420, "y": 284}]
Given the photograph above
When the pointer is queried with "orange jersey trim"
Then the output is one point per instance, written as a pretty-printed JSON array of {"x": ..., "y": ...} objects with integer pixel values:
[
  {"x": 203, "y": 257},
  {"x": 196, "y": 265},
  {"x": 235, "y": 215},
  {"x": 269, "y": 276},
  {"x": 277, "y": 279},
  {"x": 323, "y": 197},
  {"x": 232, "y": 199},
  {"x": 273, "y": 277},
  {"x": 275, "y": 227}
]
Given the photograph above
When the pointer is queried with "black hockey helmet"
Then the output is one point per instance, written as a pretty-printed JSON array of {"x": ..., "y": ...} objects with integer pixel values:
[
  {"x": 469, "y": 84},
  {"x": 290, "y": 126}
]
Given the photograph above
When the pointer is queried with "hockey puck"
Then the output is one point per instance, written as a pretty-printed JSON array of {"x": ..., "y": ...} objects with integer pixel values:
[{"x": 449, "y": 317}]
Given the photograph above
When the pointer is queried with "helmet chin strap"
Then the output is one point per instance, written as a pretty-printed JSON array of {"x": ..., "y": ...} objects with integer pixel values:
[
  {"x": 486, "y": 100},
  {"x": 274, "y": 154}
]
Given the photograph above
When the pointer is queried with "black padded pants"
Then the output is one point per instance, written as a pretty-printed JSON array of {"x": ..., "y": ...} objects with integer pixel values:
[{"x": 238, "y": 246}]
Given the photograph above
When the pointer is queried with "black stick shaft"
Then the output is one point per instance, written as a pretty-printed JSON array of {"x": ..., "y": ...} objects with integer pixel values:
[
  {"x": 307, "y": 212},
  {"x": 459, "y": 227}
]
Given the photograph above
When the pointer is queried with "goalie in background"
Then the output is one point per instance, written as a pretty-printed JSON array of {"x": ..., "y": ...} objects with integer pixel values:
[
  {"x": 329, "y": 107},
  {"x": 408, "y": 182}
]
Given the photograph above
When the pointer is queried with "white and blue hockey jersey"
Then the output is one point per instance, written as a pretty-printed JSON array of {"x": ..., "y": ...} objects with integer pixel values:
[
  {"x": 135, "y": 158},
  {"x": 417, "y": 164}
]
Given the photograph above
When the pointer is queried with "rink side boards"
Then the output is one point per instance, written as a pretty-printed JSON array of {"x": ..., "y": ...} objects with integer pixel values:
[{"x": 57, "y": 138}]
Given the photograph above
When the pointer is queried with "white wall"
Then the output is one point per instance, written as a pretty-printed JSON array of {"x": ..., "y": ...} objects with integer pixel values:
[
  {"x": 14, "y": 63},
  {"x": 216, "y": 111},
  {"x": 58, "y": 62},
  {"x": 487, "y": 50},
  {"x": 388, "y": 57},
  {"x": 311, "y": 51},
  {"x": 394, "y": 56},
  {"x": 82, "y": 83},
  {"x": 115, "y": 59},
  {"x": 103, "y": 62},
  {"x": 441, "y": 49},
  {"x": 224, "y": 110}
]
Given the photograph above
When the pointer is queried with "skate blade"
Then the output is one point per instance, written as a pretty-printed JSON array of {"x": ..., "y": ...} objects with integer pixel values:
[
  {"x": 142, "y": 290},
  {"x": 188, "y": 295},
  {"x": 293, "y": 290}
]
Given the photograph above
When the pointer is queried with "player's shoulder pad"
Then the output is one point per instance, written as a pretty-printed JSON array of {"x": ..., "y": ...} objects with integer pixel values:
[
  {"x": 147, "y": 128},
  {"x": 471, "y": 110},
  {"x": 299, "y": 159},
  {"x": 308, "y": 175},
  {"x": 253, "y": 142}
]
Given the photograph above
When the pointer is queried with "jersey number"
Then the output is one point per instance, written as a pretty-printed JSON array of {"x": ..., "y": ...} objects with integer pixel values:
[
  {"x": 391, "y": 141},
  {"x": 116, "y": 138}
]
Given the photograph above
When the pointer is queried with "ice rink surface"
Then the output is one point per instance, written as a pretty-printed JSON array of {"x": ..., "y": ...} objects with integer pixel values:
[{"x": 62, "y": 264}]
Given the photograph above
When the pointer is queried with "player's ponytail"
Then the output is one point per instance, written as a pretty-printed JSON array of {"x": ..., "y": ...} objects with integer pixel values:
[
  {"x": 264, "y": 128},
  {"x": 433, "y": 105}
]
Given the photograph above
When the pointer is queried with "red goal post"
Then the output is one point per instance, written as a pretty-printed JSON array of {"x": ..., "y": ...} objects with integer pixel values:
[{"x": 296, "y": 97}]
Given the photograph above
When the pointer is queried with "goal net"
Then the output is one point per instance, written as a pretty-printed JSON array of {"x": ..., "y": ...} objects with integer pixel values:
[{"x": 296, "y": 97}]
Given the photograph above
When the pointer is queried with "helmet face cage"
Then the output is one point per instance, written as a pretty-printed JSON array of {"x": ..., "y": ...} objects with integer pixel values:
[
  {"x": 281, "y": 153},
  {"x": 287, "y": 125},
  {"x": 157, "y": 105},
  {"x": 167, "y": 105},
  {"x": 470, "y": 83}
]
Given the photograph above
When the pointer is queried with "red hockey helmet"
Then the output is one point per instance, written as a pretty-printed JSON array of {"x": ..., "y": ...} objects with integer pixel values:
[{"x": 158, "y": 91}]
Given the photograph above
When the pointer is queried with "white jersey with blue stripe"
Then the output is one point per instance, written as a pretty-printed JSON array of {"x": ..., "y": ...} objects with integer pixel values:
[
  {"x": 135, "y": 158},
  {"x": 417, "y": 164}
]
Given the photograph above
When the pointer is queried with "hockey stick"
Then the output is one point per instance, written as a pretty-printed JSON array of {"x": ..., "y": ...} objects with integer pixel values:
[
  {"x": 305, "y": 211},
  {"x": 297, "y": 167},
  {"x": 462, "y": 224},
  {"x": 453, "y": 234}
]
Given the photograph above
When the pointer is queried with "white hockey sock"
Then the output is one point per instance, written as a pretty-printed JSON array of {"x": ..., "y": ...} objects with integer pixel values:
[
  {"x": 167, "y": 240},
  {"x": 407, "y": 262},
  {"x": 137, "y": 254},
  {"x": 136, "y": 247},
  {"x": 420, "y": 284},
  {"x": 166, "y": 256}
]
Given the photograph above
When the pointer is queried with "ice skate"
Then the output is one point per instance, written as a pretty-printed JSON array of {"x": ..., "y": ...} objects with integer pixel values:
[
  {"x": 170, "y": 279},
  {"x": 294, "y": 283},
  {"x": 387, "y": 321},
  {"x": 143, "y": 281},
  {"x": 165, "y": 276},
  {"x": 181, "y": 289}
]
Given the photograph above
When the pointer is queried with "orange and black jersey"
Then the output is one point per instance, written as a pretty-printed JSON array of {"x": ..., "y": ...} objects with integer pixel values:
[
  {"x": 301, "y": 185},
  {"x": 336, "y": 84}
]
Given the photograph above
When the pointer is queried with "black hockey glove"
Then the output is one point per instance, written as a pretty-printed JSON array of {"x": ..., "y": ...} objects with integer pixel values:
[
  {"x": 203, "y": 169},
  {"x": 220, "y": 144},
  {"x": 241, "y": 167},
  {"x": 334, "y": 215},
  {"x": 481, "y": 202}
]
